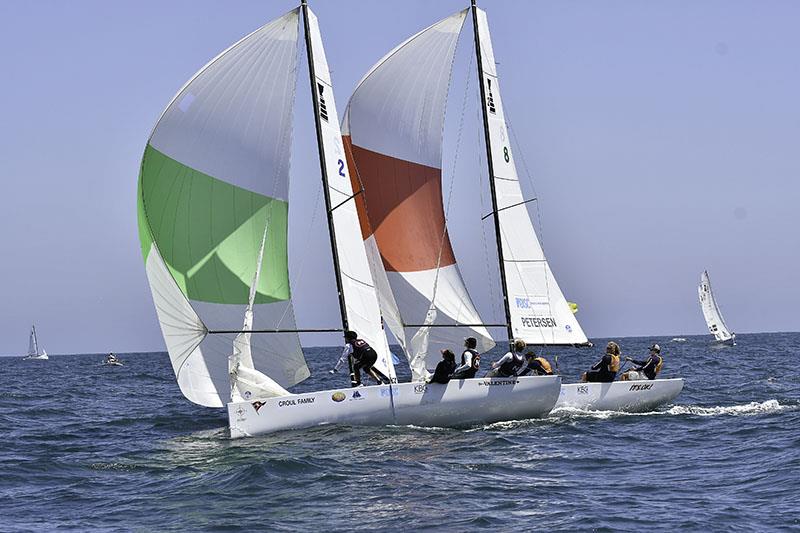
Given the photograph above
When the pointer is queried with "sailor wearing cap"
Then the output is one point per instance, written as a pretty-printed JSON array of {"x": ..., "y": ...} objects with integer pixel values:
[{"x": 649, "y": 368}]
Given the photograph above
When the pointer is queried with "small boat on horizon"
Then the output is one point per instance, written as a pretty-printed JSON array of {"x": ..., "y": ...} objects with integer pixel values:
[
  {"x": 112, "y": 360},
  {"x": 712, "y": 314},
  {"x": 35, "y": 352}
]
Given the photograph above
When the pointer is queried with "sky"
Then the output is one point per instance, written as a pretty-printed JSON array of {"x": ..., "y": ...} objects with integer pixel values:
[{"x": 661, "y": 139}]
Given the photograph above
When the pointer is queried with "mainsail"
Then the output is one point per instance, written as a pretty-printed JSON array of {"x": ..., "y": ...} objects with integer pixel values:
[
  {"x": 393, "y": 130},
  {"x": 33, "y": 344},
  {"x": 536, "y": 307},
  {"x": 714, "y": 321},
  {"x": 361, "y": 311}
]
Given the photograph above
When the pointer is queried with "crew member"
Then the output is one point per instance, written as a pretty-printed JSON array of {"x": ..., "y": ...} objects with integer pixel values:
[
  {"x": 605, "y": 370},
  {"x": 445, "y": 368},
  {"x": 510, "y": 363},
  {"x": 470, "y": 360},
  {"x": 361, "y": 356},
  {"x": 647, "y": 369},
  {"x": 536, "y": 364}
]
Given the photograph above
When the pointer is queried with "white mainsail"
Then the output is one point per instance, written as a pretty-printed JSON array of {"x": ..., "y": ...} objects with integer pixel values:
[
  {"x": 539, "y": 313},
  {"x": 714, "y": 321},
  {"x": 34, "y": 350},
  {"x": 362, "y": 311},
  {"x": 393, "y": 131}
]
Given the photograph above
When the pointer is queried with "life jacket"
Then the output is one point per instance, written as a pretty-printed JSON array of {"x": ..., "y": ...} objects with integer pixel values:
[
  {"x": 614, "y": 366},
  {"x": 476, "y": 358},
  {"x": 545, "y": 364},
  {"x": 510, "y": 368},
  {"x": 362, "y": 349},
  {"x": 660, "y": 364}
]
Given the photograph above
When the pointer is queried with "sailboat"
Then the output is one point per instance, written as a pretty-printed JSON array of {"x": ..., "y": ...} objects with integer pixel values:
[
  {"x": 213, "y": 225},
  {"x": 714, "y": 321},
  {"x": 393, "y": 133},
  {"x": 34, "y": 350}
]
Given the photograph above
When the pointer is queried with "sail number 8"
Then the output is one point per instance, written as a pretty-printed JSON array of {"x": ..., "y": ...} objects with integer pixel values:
[{"x": 505, "y": 154}]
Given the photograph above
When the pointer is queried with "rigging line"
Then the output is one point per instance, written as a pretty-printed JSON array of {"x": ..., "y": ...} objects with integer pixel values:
[
  {"x": 452, "y": 178},
  {"x": 480, "y": 164},
  {"x": 289, "y": 309},
  {"x": 507, "y": 207},
  {"x": 340, "y": 204},
  {"x": 540, "y": 235},
  {"x": 298, "y": 330}
]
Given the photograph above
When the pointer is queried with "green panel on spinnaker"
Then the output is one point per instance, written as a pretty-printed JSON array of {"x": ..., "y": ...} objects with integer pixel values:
[{"x": 209, "y": 233}]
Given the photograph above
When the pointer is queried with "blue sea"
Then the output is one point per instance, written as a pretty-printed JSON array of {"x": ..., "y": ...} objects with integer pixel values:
[{"x": 92, "y": 448}]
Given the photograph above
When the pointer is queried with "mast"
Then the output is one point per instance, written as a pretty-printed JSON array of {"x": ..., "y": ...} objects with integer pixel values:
[
  {"x": 322, "y": 164},
  {"x": 490, "y": 163}
]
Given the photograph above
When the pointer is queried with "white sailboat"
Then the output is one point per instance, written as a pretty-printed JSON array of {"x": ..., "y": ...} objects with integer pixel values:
[
  {"x": 714, "y": 321},
  {"x": 34, "y": 350},
  {"x": 393, "y": 131},
  {"x": 217, "y": 162}
]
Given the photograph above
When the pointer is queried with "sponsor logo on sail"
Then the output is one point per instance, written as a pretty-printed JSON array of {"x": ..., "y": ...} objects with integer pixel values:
[
  {"x": 295, "y": 401},
  {"x": 641, "y": 386},
  {"x": 247, "y": 394},
  {"x": 338, "y": 396},
  {"x": 568, "y": 328},
  {"x": 258, "y": 405},
  {"x": 538, "y": 321}
]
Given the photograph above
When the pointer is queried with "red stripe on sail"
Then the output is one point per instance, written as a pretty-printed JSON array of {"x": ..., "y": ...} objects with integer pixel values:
[{"x": 402, "y": 206}]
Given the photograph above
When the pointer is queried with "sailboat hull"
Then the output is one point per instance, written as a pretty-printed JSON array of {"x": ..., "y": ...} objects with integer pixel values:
[
  {"x": 629, "y": 396},
  {"x": 460, "y": 403},
  {"x": 40, "y": 357}
]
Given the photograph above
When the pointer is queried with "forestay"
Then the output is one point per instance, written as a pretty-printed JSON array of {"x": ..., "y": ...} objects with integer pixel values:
[
  {"x": 362, "y": 310},
  {"x": 393, "y": 128},
  {"x": 714, "y": 321},
  {"x": 212, "y": 198},
  {"x": 538, "y": 311}
]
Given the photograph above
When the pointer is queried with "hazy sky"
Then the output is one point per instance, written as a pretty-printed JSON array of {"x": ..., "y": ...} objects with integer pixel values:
[{"x": 662, "y": 138}]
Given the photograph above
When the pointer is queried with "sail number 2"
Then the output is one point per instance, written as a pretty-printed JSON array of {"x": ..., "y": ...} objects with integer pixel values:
[{"x": 341, "y": 168}]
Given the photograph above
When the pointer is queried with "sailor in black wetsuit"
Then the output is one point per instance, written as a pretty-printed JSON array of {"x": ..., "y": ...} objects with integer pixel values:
[
  {"x": 605, "y": 370},
  {"x": 470, "y": 360},
  {"x": 539, "y": 366},
  {"x": 510, "y": 363},
  {"x": 360, "y": 355},
  {"x": 444, "y": 368},
  {"x": 647, "y": 369}
]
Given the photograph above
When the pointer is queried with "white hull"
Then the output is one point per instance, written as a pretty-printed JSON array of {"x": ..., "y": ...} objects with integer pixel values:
[
  {"x": 457, "y": 404},
  {"x": 41, "y": 357},
  {"x": 112, "y": 364},
  {"x": 631, "y": 396}
]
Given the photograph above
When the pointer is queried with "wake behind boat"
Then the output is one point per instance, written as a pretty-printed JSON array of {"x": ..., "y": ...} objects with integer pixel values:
[{"x": 35, "y": 352}]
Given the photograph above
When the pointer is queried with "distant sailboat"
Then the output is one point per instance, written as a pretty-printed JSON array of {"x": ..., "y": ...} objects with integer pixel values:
[
  {"x": 714, "y": 321},
  {"x": 34, "y": 350}
]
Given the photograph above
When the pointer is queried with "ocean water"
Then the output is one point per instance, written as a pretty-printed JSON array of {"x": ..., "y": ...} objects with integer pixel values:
[{"x": 87, "y": 447}]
